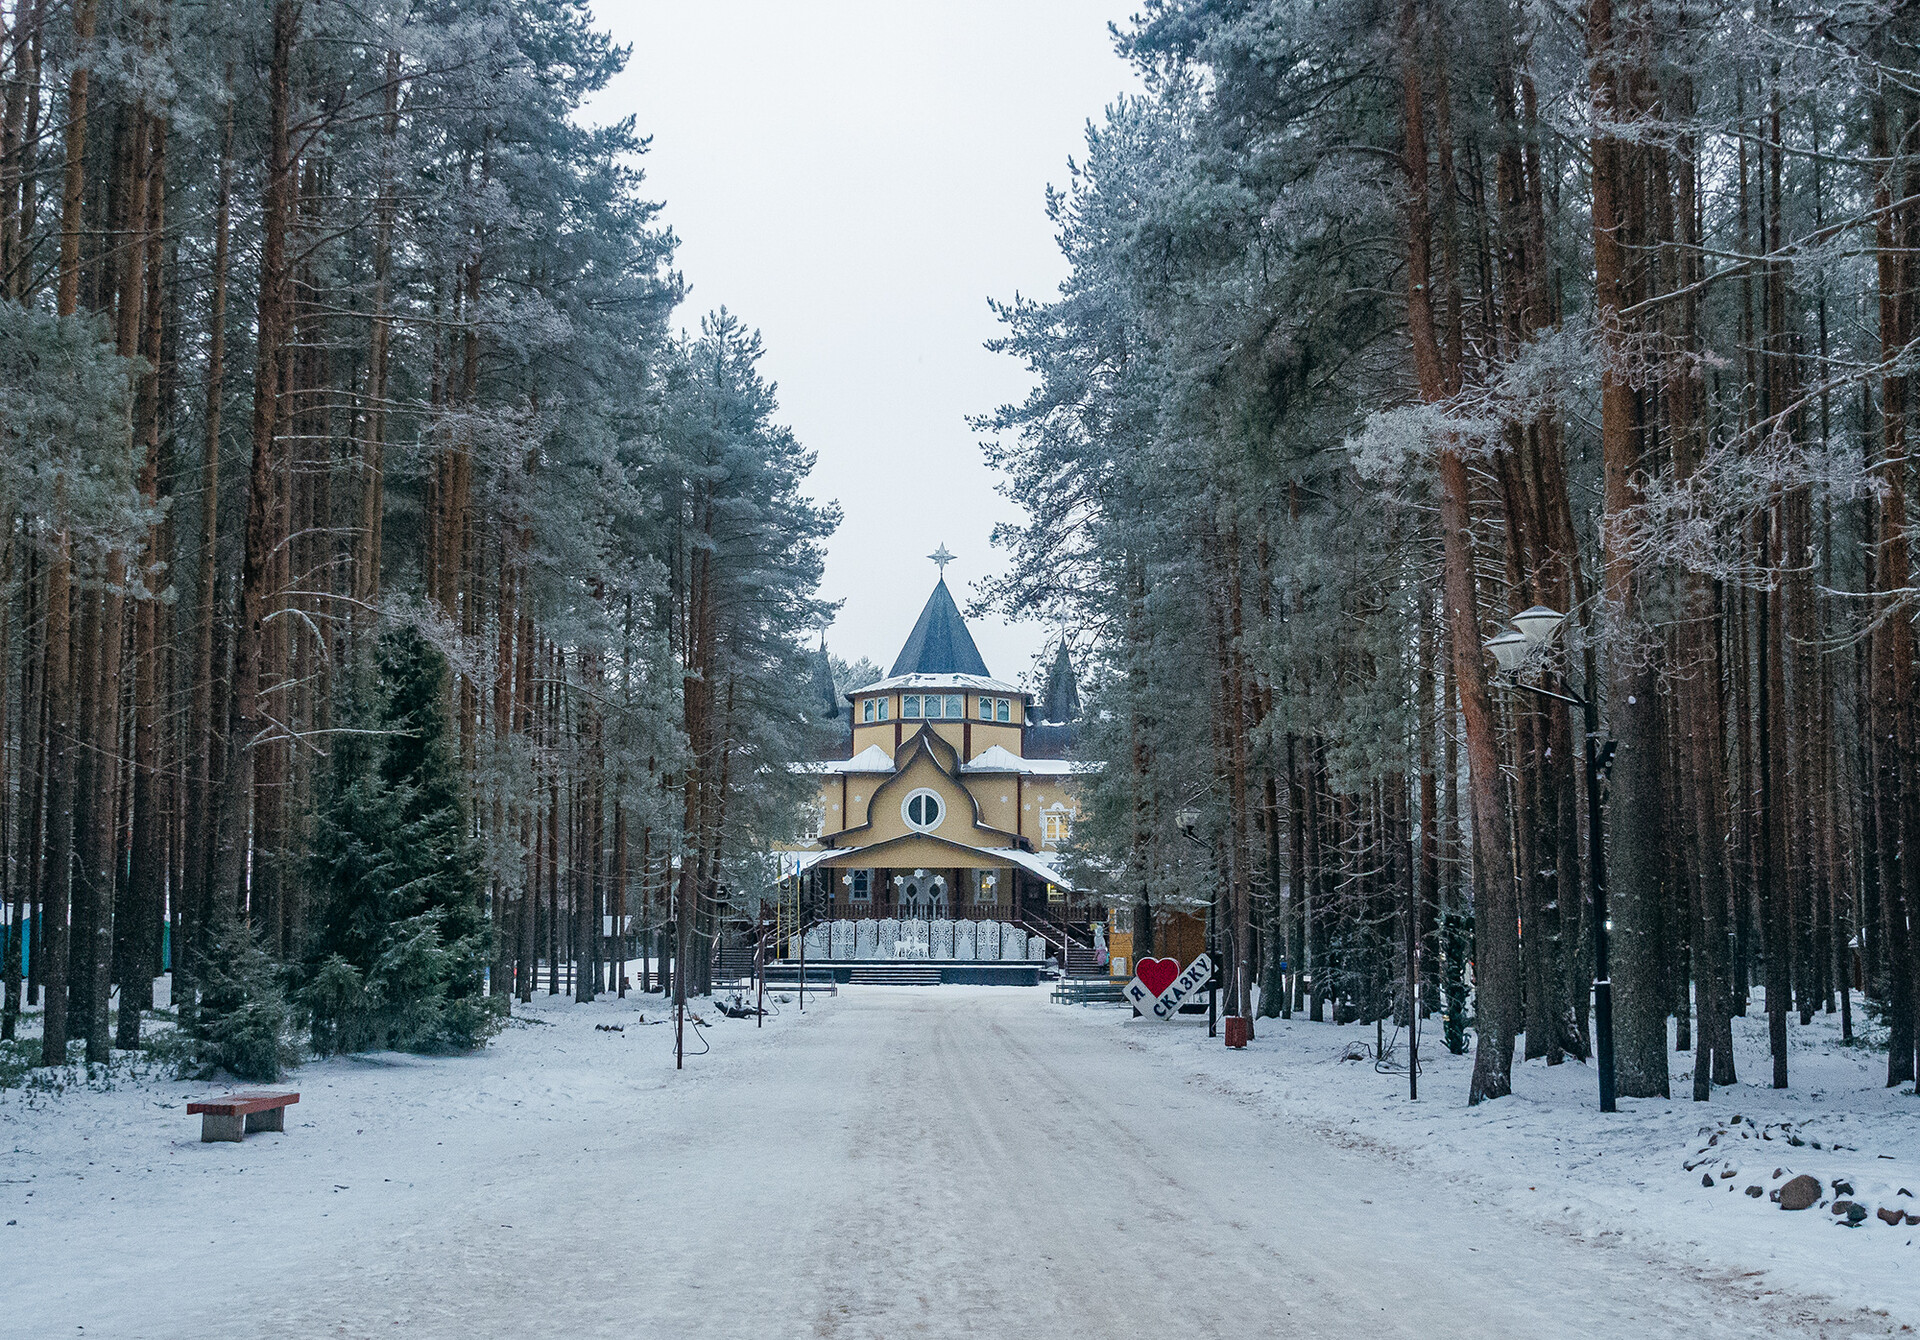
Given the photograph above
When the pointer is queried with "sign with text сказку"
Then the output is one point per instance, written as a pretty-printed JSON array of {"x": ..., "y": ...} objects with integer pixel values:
[{"x": 1166, "y": 1003}]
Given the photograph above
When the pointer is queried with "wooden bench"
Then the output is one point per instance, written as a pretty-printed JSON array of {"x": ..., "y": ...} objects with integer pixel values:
[
  {"x": 231, "y": 1116},
  {"x": 1089, "y": 991}
]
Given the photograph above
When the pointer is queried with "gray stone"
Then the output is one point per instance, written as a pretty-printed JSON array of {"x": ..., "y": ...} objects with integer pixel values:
[{"x": 1800, "y": 1193}]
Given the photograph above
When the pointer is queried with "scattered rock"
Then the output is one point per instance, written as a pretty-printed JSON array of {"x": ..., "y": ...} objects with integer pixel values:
[
  {"x": 1889, "y": 1216},
  {"x": 1842, "y": 1206},
  {"x": 1842, "y": 1187},
  {"x": 1800, "y": 1193},
  {"x": 1856, "y": 1213},
  {"x": 1727, "y": 1172},
  {"x": 1706, "y": 1179},
  {"x": 1756, "y": 1191}
]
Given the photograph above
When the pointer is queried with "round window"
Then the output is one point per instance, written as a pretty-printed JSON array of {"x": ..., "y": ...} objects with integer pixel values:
[{"x": 923, "y": 810}]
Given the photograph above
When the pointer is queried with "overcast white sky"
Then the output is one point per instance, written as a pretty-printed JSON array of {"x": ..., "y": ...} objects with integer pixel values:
[{"x": 856, "y": 178}]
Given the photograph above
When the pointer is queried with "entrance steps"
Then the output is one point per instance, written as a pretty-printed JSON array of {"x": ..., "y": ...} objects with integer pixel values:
[
  {"x": 1083, "y": 962},
  {"x": 907, "y": 972}
]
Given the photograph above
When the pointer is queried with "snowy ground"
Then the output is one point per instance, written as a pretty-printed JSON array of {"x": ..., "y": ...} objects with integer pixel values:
[{"x": 944, "y": 1161}]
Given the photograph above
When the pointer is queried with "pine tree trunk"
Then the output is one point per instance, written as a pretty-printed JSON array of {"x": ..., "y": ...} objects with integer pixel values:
[
  {"x": 245, "y": 722},
  {"x": 1633, "y": 863},
  {"x": 144, "y": 887},
  {"x": 1496, "y": 960},
  {"x": 1893, "y": 641}
]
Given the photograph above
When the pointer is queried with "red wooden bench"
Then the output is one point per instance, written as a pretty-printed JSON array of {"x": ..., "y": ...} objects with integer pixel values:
[{"x": 232, "y": 1115}]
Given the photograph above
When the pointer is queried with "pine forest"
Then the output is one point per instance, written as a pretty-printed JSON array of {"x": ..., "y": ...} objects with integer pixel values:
[
  {"x": 724, "y": 669},
  {"x": 1388, "y": 322},
  {"x": 392, "y": 591}
]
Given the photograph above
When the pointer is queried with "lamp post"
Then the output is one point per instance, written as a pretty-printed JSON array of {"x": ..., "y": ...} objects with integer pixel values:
[
  {"x": 800, "y": 930},
  {"x": 1187, "y": 820},
  {"x": 1533, "y": 630},
  {"x": 679, "y": 975}
]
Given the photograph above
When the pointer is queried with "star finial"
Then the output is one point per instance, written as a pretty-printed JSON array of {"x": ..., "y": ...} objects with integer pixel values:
[{"x": 941, "y": 557}]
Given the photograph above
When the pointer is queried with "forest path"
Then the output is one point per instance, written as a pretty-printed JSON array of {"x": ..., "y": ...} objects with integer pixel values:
[{"x": 900, "y": 1162}]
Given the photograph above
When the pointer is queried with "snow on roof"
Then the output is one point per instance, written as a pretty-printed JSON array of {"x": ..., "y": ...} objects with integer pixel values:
[
  {"x": 994, "y": 758},
  {"x": 1038, "y": 864},
  {"x": 799, "y": 862},
  {"x": 970, "y": 683},
  {"x": 997, "y": 758},
  {"x": 871, "y": 759}
]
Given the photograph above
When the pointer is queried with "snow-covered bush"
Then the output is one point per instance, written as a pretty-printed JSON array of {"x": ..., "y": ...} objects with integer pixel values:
[{"x": 241, "y": 1024}]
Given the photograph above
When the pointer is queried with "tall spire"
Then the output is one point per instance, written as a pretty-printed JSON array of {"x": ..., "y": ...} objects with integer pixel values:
[
  {"x": 940, "y": 643},
  {"x": 1062, "y": 701},
  {"x": 826, "y": 699}
]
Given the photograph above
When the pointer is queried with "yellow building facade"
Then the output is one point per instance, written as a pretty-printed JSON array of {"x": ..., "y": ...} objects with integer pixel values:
[{"x": 953, "y": 799}]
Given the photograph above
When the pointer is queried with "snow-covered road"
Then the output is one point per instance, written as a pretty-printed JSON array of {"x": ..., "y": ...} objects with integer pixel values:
[{"x": 900, "y": 1162}]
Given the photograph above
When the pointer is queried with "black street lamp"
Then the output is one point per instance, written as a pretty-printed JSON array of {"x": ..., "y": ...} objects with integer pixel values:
[
  {"x": 679, "y": 971},
  {"x": 1187, "y": 820},
  {"x": 1533, "y": 630}
]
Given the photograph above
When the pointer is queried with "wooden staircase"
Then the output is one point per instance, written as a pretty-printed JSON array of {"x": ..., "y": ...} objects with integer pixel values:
[
  {"x": 732, "y": 962},
  {"x": 1082, "y": 961}
]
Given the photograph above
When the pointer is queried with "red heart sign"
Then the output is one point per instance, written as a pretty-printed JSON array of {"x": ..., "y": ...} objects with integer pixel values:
[{"x": 1156, "y": 974}]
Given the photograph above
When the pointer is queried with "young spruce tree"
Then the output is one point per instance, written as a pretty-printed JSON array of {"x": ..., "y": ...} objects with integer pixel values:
[{"x": 400, "y": 945}]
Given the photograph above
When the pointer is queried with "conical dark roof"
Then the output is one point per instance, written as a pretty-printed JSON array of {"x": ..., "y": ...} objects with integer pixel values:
[
  {"x": 940, "y": 643},
  {"x": 1062, "y": 702},
  {"x": 826, "y": 701}
]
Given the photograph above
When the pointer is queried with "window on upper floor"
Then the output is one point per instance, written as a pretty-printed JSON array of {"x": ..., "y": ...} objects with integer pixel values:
[
  {"x": 956, "y": 705},
  {"x": 1002, "y": 710},
  {"x": 910, "y": 705},
  {"x": 986, "y": 709},
  {"x": 1055, "y": 826},
  {"x": 866, "y": 710},
  {"x": 880, "y": 712}
]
